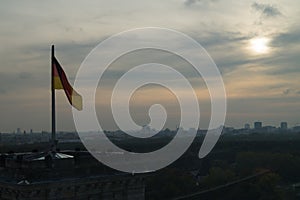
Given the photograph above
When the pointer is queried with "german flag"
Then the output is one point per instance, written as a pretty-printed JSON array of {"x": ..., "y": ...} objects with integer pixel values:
[{"x": 60, "y": 82}]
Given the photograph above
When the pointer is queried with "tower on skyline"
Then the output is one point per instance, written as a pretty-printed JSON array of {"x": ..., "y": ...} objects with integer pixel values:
[
  {"x": 257, "y": 125},
  {"x": 247, "y": 126},
  {"x": 283, "y": 125}
]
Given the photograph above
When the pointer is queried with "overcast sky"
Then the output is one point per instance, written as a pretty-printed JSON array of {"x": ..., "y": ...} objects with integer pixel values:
[{"x": 255, "y": 44}]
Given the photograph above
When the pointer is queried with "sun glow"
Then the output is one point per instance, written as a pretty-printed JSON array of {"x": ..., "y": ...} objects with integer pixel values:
[{"x": 260, "y": 45}]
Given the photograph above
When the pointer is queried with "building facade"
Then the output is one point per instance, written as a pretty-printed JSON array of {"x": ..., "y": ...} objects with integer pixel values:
[
  {"x": 257, "y": 125},
  {"x": 65, "y": 176}
]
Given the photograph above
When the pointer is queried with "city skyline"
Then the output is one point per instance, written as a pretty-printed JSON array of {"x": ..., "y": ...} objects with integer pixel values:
[
  {"x": 255, "y": 44},
  {"x": 246, "y": 125}
]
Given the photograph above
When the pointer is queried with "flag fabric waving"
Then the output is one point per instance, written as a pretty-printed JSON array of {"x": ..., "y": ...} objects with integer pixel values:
[{"x": 60, "y": 81}]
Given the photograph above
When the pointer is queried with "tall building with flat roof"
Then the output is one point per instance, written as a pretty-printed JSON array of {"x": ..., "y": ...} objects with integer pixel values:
[
  {"x": 283, "y": 125},
  {"x": 257, "y": 125},
  {"x": 247, "y": 126}
]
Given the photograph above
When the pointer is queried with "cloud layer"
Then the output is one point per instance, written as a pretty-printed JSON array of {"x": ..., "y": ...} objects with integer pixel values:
[
  {"x": 266, "y": 10},
  {"x": 253, "y": 82}
]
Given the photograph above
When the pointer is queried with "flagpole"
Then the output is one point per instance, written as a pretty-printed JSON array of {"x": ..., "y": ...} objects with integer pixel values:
[{"x": 53, "y": 138}]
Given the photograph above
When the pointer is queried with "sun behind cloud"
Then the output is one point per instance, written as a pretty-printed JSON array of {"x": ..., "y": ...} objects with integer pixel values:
[{"x": 260, "y": 45}]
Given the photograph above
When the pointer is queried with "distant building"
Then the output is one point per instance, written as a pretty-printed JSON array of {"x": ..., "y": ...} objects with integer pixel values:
[
  {"x": 247, "y": 126},
  {"x": 227, "y": 129},
  {"x": 257, "y": 125},
  {"x": 18, "y": 130},
  {"x": 283, "y": 125},
  {"x": 296, "y": 129}
]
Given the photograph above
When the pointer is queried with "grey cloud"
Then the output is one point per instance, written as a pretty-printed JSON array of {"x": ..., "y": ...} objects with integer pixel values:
[
  {"x": 291, "y": 91},
  {"x": 266, "y": 10},
  {"x": 195, "y": 2},
  {"x": 285, "y": 60},
  {"x": 11, "y": 82},
  {"x": 221, "y": 38},
  {"x": 25, "y": 75},
  {"x": 277, "y": 86},
  {"x": 216, "y": 43},
  {"x": 6, "y": 83},
  {"x": 2, "y": 91},
  {"x": 281, "y": 64},
  {"x": 286, "y": 92},
  {"x": 287, "y": 38},
  {"x": 190, "y": 2}
]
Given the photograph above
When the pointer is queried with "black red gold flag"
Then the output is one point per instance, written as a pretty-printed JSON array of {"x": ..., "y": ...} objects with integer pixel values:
[{"x": 60, "y": 82}]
